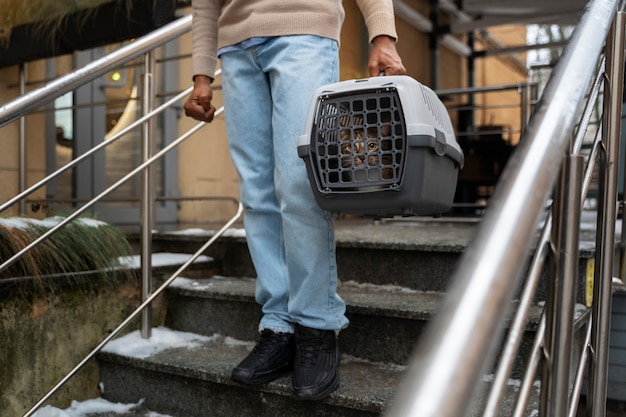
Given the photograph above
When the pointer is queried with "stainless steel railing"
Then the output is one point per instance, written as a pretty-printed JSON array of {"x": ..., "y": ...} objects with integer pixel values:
[
  {"x": 460, "y": 342},
  {"x": 31, "y": 101}
]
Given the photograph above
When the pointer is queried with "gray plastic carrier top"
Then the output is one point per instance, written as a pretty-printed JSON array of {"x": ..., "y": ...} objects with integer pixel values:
[{"x": 371, "y": 145}]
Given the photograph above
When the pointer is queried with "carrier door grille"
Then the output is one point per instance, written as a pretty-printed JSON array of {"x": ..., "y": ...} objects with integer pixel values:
[{"x": 359, "y": 141}]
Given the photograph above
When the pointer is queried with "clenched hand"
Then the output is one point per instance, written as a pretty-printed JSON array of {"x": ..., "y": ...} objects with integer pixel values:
[
  {"x": 384, "y": 58},
  {"x": 198, "y": 106}
]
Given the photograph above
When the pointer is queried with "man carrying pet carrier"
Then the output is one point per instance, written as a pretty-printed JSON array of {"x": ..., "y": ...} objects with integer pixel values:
[{"x": 274, "y": 55}]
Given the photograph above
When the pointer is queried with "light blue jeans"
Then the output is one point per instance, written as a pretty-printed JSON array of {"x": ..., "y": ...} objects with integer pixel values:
[{"x": 267, "y": 92}]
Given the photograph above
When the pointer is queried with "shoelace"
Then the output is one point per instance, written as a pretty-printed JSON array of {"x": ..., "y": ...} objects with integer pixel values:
[
  {"x": 309, "y": 348},
  {"x": 267, "y": 342}
]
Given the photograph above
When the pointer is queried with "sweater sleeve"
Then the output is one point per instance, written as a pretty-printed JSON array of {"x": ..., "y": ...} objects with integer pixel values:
[
  {"x": 379, "y": 17},
  {"x": 204, "y": 36}
]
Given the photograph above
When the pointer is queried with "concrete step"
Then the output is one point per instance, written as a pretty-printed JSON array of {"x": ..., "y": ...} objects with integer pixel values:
[
  {"x": 386, "y": 321},
  {"x": 392, "y": 279},
  {"x": 192, "y": 379},
  {"x": 421, "y": 255},
  {"x": 181, "y": 374}
]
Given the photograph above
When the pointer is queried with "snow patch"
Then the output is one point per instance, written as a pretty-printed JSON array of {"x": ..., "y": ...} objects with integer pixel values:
[
  {"x": 162, "y": 339},
  {"x": 159, "y": 259},
  {"x": 47, "y": 223},
  {"x": 89, "y": 407},
  {"x": 231, "y": 341},
  {"x": 346, "y": 359},
  {"x": 234, "y": 232},
  {"x": 376, "y": 287},
  {"x": 515, "y": 383},
  {"x": 203, "y": 283}
]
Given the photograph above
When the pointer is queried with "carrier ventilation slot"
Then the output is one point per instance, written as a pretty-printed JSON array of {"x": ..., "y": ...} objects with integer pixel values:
[{"x": 437, "y": 110}]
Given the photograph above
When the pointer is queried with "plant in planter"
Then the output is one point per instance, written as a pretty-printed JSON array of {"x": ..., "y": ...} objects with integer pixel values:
[
  {"x": 37, "y": 29},
  {"x": 42, "y": 12},
  {"x": 84, "y": 245}
]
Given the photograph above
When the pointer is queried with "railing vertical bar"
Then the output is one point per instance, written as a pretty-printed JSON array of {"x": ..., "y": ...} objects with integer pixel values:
[
  {"x": 518, "y": 326},
  {"x": 524, "y": 107},
  {"x": 147, "y": 193},
  {"x": 531, "y": 370},
  {"x": 602, "y": 296},
  {"x": 580, "y": 374},
  {"x": 562, "y": 294}
]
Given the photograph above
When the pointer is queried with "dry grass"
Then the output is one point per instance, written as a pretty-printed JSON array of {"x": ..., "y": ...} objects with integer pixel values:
[
  {"x": 47, "y": 14},
  {"x": 83, "y": 245}
]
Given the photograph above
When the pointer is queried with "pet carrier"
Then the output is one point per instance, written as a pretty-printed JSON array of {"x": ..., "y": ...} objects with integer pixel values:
[{"x": 380, "y": 147}]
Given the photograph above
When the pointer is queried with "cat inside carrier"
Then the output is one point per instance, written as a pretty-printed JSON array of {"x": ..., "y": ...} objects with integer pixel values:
[{"x": 380, "y": 147}]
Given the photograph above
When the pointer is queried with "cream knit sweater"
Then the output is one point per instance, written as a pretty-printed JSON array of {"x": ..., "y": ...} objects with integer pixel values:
[{"x": 219, "y": 23}]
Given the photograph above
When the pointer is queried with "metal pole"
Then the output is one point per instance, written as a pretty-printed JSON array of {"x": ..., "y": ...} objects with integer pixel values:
[
  {"x": 435, "y": 54},
  {"x": 471, "y": 80},
  {"x": 525, "y": 107},
  {"x": 458, "y": 345},
  {"x": 562, "y": 297},
  {"x": 147, "y": 194},
  {"x": 22, "y": 146},
  {"x": 602, "y": 295},
  {"x": 530, "y": 372}
]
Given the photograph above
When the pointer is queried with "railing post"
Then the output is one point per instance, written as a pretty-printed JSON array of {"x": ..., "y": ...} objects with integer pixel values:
[
  {"x": 525, "y": 107},
  {"x": 22, "y": 145},
  {"x": 147, "y": 193},
  {"x": 557, "y": 344},
  {"x": 603, "y": 274}
]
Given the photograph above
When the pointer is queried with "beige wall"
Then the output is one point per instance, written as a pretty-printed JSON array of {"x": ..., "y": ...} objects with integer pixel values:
[
  {"x": 9, "y": 135},
  {"x": 205, "y": 167},
  {"x": 502, "y": 70}
]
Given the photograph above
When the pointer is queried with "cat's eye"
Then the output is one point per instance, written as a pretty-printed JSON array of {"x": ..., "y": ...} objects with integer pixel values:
[{"x": 372, "y": 146}]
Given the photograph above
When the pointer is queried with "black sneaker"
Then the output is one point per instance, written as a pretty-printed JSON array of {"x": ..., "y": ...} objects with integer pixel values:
[
  {"x": 316, "y": 366},
  {"x": 271, "y": 357}
]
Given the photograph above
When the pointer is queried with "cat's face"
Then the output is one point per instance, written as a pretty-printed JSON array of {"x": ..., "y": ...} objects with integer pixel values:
[
  {"x": 360, "y": 149},
  {"x": 363, "y": 151}
]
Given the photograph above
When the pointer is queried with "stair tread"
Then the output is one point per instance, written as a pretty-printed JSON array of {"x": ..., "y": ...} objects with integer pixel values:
[
  {"x": 213, "y": 358},
  {"x": 365, "y": 386},
  {"x": 365, "y": 233},
  {"x": 382, "y": 300}
]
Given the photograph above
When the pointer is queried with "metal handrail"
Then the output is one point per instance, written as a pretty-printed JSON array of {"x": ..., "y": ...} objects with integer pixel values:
[
  {"x": 458, "y": 344},
  {"x": 44, "y": 95},
  {"x": 29, "y": 102},
  {"x": 104, "y": 193},
  {"x": 92, "y": 151},
  {"x": 525, "y": 104},
  {"x": 514, "y": 337},
  {"x": 137, "y": 311},
  {"x": 100, "y": 146}
]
